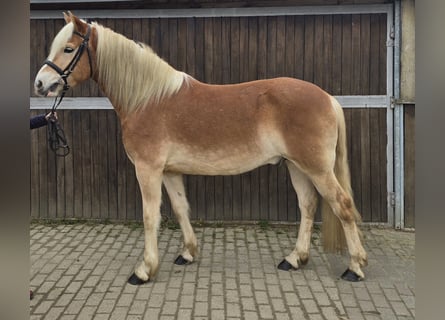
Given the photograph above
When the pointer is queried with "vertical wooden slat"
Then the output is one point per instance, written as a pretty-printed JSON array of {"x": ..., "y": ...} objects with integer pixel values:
[
  {"x": 374, "y": 189},
  {"x": 77, "y": 164},
  {"x": 112, "y": 158},
  {"x": 309, "y": 29},
  {"x": 327, "y": 53},
  {"x": 365, "y": 158},
  {"x": 319, "y": 73},
  {"x": 85, "y": 125},
  {"x": 382, "y": 161},
  {"x": 337, "y": 46},
  {"x": 97, "y": 153},
  {"x": 355, "y": 55},
  {"x": 346, "y": 55},
  {"x": 122, "y": 160},
  {"x": 299, "y": 47},
  {"x": 365, "y": 48},
  {"x": 382, "y": 55},
  {"x": 190, "y": 50}
]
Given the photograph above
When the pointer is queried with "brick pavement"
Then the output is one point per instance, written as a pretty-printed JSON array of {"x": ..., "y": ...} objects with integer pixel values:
[{"x": 79, "y": 271}]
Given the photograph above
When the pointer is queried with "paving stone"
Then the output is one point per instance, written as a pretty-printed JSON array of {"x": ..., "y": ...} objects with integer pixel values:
[{"x": 81, "y": 271}]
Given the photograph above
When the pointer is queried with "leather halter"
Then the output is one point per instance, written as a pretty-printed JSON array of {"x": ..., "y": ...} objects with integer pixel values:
[{"x": 65, "y": 73}]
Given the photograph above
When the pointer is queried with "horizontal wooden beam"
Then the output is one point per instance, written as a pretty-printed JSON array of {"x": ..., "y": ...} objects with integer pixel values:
[{"x": 101, "y": 103}]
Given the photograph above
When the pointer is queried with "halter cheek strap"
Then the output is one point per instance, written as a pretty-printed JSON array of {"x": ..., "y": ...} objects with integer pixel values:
[{"x": 65, "y": 73}]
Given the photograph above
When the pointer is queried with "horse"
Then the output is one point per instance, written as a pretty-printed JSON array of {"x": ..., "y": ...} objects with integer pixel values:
[{"x": 172, "y": 124}]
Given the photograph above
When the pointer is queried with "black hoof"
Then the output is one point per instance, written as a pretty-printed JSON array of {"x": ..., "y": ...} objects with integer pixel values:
[
  {"x": 286, "y": 266},
  {"x": 180, "y": 261},
  {"x": 350, "y": 275},
  {"x": 135, "y": 280}
]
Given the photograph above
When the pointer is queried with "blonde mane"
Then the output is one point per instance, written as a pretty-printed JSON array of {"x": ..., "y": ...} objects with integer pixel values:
[{"x": 132, "y": 74}]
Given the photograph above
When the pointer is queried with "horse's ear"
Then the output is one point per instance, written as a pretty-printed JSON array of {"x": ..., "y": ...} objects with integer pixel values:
[
  {"x": 79, "y": 25},
  {"x": 67, "y": 17}
]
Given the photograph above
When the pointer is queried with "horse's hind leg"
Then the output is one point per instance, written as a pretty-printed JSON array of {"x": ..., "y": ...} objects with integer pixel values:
[
  {"x": 343, "y": 207},
  {"x": 307, "y": 201},
  {"x": 175, "y": 188}
]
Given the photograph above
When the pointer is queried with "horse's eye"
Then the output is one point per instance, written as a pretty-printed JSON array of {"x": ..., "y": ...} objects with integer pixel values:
[{"x": 68, "y": 50}]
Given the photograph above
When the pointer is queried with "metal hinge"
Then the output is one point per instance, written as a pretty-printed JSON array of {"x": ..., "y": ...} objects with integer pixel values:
[
  {"x": 390, "y": 42},
  {"x": 392, "y": 102},
  {"x": 392, "y": 199}
]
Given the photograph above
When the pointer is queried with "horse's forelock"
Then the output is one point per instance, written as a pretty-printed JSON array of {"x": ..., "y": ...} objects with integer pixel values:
[{"x": 61, "y": 39}]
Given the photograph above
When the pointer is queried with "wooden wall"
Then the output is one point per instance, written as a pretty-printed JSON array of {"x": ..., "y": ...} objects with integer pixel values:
[{"x": 344, "y": 54}]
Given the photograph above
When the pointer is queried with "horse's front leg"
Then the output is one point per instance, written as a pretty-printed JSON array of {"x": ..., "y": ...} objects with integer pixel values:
[
  {"x": 150, "y": 182},
  {"x": 175, "y": 188}
]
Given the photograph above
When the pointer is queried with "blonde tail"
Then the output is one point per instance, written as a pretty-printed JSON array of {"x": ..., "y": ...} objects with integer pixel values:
[{"x": 332, "y": 231}]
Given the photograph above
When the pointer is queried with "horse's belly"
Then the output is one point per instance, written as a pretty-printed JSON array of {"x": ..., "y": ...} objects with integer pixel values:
[{"x": 218, "y": 162}]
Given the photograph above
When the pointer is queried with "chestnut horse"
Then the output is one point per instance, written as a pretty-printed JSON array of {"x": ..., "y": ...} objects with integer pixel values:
[{"x": 173, "y": 124}]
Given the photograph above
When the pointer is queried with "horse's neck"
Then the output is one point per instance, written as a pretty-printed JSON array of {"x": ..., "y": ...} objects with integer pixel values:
[{"x": 131, "y": 78}]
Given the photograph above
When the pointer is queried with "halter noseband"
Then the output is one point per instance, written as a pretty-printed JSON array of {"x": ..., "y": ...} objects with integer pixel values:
[{"x": 65, "y": 73}]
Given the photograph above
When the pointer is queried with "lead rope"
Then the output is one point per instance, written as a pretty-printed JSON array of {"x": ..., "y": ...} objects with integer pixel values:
[{"x": 56, "y": 135}]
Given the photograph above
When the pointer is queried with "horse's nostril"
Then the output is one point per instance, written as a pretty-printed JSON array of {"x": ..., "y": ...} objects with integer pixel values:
[{"x": 39, "y": 84}]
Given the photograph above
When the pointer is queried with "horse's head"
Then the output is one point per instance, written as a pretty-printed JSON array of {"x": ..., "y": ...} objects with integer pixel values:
[{"x": 69, "y": 61}]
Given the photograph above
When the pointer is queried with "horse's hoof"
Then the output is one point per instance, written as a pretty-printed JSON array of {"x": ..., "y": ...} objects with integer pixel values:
[
  {"x": 180, "y": 261},
  {"x": 350, "y": 275},
  {"x": 135, "y": 280},
  {"x": 286, "y": 266}
]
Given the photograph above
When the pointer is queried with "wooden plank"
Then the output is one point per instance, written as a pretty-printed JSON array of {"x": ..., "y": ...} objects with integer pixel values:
[
  {"x": 85, "y": 125},
  {"x": 299, "y": 47},
  {"x": 208, "y": 50},
  {"x": 199, "y": 48},
  {"x": 281, "y": 48},
  {"x": 365, "y": 49},
  {"x": 365, "y": 161},
  {"x": 374, "y": 65},
  {"x": 337, "y": 55},
  {"x": 100, "y": 164},
  {"x": 309, "y": 30},
  {"x": 382, "y": 55},
  {"x": 182, "y": 45},
  {"x": 77, "y": 164},
  {"x": 244, "y": 49},
  {"x": 271, "y": 47},
  {"x": 409, "y": 165},
  {"x": 327, "y": 53},
  {"x": 209, "y": 198},
  {"x": 172, "y": 57},
  {"x": 262, "y": 48},
  {"x": 68, "y": 163},
  {"x": 225, "y": 43},
  {"x": 253, "y": 48},
  {"x": 319, "y": 73},
  {"x": 376, "y": 197},
  {"x": 346, "y": 75},
  {"x": 95, "y": 165},
  {"x": 382, "y": 161},
  {"x": 112, "y": 174},
  {"x": 122, "y": 160},
  {"x": 289, "y": 52},
  {"x": 282, "y": 192},
  {"x": 355, "y": 55},
  {"x": 191, "y": 54},
  {"x": 218, "y": 50}
]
